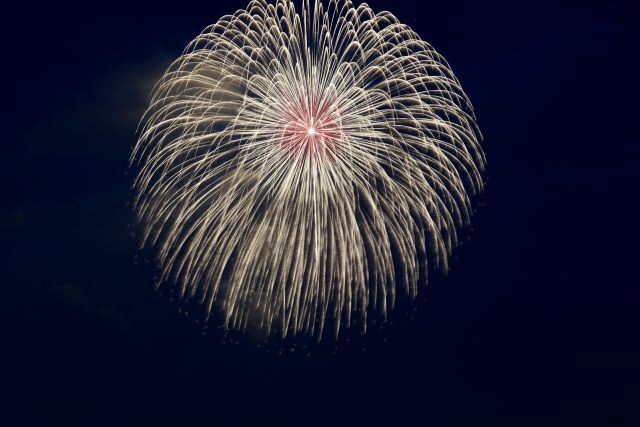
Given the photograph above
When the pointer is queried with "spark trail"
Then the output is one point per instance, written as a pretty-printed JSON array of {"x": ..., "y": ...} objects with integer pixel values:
[{"x": 301, "y": 169}]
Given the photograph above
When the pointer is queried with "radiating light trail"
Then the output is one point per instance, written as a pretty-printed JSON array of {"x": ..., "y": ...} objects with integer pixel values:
[{"x": 300, "y": 169}]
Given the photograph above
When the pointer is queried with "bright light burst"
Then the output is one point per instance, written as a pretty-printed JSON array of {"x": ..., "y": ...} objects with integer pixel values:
[{"x": 300, "y": 169}]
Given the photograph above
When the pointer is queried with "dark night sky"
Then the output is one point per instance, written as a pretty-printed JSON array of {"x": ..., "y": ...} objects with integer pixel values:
[{"x": 536, "y": 325}]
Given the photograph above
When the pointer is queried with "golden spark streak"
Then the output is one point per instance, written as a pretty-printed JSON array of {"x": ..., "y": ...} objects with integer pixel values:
[{"x": 301, "y": 168}]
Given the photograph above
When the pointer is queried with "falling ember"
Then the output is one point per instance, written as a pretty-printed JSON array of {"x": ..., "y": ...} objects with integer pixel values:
[{"x": 302, "y": 169}]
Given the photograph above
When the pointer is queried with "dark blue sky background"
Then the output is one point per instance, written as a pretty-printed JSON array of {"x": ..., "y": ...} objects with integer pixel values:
[{"x": 536, "y": 325}]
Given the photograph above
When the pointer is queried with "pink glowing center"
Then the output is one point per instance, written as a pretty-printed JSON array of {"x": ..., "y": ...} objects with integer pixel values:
[{"x": 310, "y": 130}]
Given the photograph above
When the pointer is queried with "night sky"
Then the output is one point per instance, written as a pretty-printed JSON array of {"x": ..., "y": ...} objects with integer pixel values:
[{"x": 535, "y": 325}]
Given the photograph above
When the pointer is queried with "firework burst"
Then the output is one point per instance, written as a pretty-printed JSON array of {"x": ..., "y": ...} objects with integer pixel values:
[{"x": 302, "y": 169}]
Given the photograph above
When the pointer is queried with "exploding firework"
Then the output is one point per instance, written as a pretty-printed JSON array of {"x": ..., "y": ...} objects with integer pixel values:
[{"x": 301, "y": 170}]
